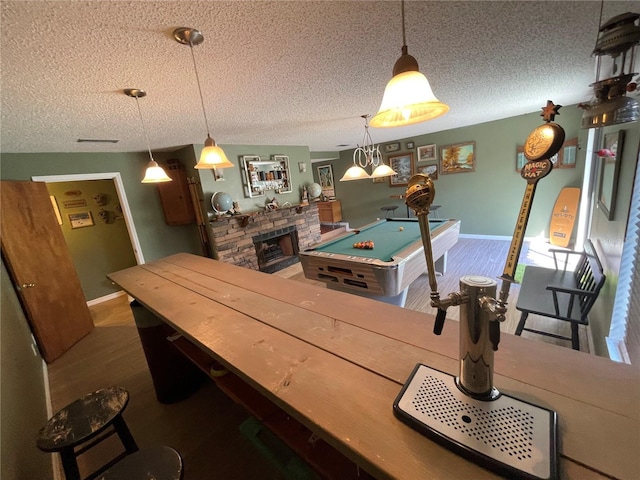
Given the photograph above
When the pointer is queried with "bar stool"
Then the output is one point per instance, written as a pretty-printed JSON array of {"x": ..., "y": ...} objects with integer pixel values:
[
  {"x": 158, "y": 463},
  {"x": 389, "y": 210},
  {"x": 95, "y": 416}
]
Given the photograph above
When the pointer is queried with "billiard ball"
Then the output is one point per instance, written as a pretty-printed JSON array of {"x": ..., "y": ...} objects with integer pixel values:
[{"x": 401, "y": 228}]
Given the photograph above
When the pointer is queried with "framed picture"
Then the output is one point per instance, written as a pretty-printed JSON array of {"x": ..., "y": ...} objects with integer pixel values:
[
  {"x": 427, "y": 153},
  {"x": 567, "y": 154},
  {"x": 325, "y": 177},
  {"x": 392, "y": 147},
  {"x": 380, "y": 180},
  {"x": 431, "y": 170},
  {"x": 402, "y": 164},
  {"x": 80, "y": 220},
  {"x": 609, "y": 173},
  {"x": 410, "y": 145},
  {"x": 458, "y": 158}
]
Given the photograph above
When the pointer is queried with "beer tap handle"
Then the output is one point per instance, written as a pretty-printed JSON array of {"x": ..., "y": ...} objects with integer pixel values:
[
  {"x": 494, "y": 334},
  {"x": 440, "y": 317}
]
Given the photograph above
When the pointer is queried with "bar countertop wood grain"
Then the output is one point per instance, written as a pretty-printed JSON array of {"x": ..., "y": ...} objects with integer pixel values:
[{"x": 336, "y": 362}]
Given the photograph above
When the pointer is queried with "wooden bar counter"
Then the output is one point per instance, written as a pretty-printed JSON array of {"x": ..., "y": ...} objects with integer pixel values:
[{"x": 335, "y": 362}]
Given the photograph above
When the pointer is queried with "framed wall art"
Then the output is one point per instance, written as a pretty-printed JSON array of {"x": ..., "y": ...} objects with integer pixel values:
[
  {"x": 609, "y": 173},
  {"x": 431, "y": 170},
  {"x": 402, "y": 164},
  {"x": 427, "y": 153},
  {"x": 80, "y": 220},
  {"x": 392, "y": 147},
  {"x": 458, "y": 158},
  {"x": 325, "y": 177},
  {"x": 567, "y": 154}
]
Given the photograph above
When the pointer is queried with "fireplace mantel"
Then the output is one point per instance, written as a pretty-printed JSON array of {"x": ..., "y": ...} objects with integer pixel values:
[{"x": 232, "y": 234}]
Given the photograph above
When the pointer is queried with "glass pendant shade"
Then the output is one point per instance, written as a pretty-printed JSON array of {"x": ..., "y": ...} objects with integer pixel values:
[
  {"x": 354, "y": 173},
  {"x": 383, "y": 170},
  {"x": 212, "y": 156},
  {"x": 408, "y": 99},
  {"x": 155, "y": 174}
]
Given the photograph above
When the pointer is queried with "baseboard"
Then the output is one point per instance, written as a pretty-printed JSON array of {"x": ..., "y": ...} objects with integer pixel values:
[{"x": 106, "y": 298}]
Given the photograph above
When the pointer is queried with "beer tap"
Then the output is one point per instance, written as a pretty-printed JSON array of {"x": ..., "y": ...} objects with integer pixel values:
[{"x": 482, "y": 310}]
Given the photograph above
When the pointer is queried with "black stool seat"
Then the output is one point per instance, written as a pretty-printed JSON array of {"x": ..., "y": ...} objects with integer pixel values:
[
  {"x": 389, "y": 210},
  {"x": 158, "y": 463},
  {"x": 88, "y": 418}
]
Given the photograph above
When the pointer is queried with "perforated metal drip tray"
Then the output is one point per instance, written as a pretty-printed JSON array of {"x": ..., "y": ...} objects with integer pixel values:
[{"x": 509, "y": 436}]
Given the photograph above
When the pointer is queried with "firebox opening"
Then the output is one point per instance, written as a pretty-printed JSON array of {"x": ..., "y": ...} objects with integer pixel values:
[{"x": 277, "y": 249}]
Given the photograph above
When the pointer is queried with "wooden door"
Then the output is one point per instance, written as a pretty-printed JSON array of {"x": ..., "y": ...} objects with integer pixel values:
[{"x": 41, "y": 268}]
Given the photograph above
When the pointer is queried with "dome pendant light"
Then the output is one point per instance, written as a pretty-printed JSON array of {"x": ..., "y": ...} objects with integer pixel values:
[
  {"x": 408, "y": 98},
  {"x": 154, "y": 173},
  {"x": 212, "y": 156}
]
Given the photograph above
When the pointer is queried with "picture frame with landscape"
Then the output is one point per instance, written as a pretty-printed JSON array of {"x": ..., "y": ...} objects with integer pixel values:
[
  {"x": 430, "y": 169},
  {"x": 427, "y": 153},
  {"x": 402, "y": 164},
  {"x": 458, "y": 158}
]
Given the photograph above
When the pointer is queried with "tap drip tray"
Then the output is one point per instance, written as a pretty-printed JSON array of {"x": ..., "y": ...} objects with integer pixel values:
[{"x": 506, "y": 435}]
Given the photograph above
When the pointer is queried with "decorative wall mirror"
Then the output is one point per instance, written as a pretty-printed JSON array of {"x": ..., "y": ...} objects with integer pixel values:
[
  {"x": 261, "y": 175},
  {"x": 610, "y": 157}
]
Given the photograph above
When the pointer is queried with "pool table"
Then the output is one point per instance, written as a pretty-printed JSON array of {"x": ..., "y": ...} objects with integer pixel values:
[{"x": 386, "y": 271}]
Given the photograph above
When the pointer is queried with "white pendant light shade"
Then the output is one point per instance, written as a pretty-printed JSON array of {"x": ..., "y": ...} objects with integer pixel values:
[
  {"x": 354, "y": 172},
  {"x": 383, "y": 170},
  {"x": 408, "y": 99},
  {"x": 212, "y": 156},
  {"x": 155, "y": 174}
]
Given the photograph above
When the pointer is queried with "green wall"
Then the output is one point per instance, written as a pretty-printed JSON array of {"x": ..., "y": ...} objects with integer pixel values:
[
  {"x": 157, "y": 239},
  {"x": 487, "y": 201},
  {"x": 233, "y": 182}
]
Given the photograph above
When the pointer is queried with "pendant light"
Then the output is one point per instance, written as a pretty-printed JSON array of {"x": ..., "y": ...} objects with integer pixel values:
[
  {"x": 154, "y": 173},
  {"x": 212, "y": 156},
  {"x": 408, "y": 98},
  {"x": 367, "y": 155}
]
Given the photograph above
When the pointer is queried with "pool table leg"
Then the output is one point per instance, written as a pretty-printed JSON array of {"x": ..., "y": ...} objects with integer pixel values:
[{"x": 441, "y": 264}]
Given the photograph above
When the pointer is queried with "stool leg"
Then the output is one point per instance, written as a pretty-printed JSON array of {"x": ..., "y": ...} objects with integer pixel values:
[
  {"x": 125, "y": 435},
  {"x": 523, "y": 319},
  {"x": 69, "y": 464}
]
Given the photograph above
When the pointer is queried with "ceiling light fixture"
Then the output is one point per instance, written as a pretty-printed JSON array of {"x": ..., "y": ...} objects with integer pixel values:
[
  {"x": 367, "y": 155},
  {"x": 154, "y": 173},
  {"x": 408, "y": 98},
  {"x": 610, "y": 105},
  {"x": 212, "y": 155}
]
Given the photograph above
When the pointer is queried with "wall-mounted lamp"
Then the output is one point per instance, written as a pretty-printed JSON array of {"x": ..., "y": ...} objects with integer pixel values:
[
  {"x": 408, "y": 98},
  {"x": 367, "y": 155},
  {"x": 154, "y": 173},
  {"x": 212, "y": 155}
]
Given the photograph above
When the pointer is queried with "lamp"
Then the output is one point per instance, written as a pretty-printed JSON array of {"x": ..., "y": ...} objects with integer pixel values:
[
  {"x": 212, "y": 156},
  {"x": 617, "y": 38},
  {"x": 154, "y": 173},
  {"x": 408, "y": 98},
  {"x": 366, "y": 155}
]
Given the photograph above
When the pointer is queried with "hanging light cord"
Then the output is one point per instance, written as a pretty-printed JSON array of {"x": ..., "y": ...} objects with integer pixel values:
[
  {"x": 195, "y": 67},
  {"x": 144, "y": 128},
  {"x": 404, "y": 39}
]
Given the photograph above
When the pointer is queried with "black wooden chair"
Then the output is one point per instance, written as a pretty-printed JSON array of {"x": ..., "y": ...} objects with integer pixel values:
[{"x": 561, "y": 293}]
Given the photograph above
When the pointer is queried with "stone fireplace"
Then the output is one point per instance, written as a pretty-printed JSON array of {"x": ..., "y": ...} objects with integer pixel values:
[{"x": 266, "y": 240}]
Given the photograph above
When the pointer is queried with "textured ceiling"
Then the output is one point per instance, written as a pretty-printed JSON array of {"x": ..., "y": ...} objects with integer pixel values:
[{"x": 278, "y": 73}]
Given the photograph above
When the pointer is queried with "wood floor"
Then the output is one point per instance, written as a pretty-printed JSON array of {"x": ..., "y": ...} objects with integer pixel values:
[{"x": 205, "y": 427}]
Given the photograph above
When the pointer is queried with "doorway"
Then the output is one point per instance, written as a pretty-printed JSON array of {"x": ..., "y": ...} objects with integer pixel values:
[{"x": 107, "y": 230}]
